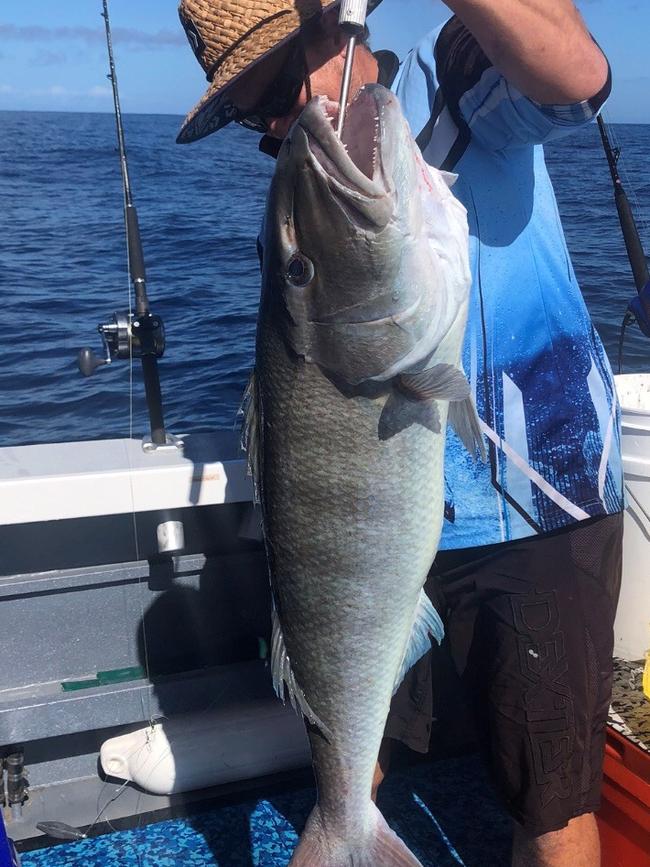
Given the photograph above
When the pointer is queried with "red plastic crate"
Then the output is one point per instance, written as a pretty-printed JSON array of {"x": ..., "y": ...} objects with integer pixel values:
[{"x": 624, "y": 817}]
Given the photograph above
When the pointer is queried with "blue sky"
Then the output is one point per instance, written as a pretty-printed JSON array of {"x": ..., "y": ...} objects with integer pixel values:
[{"x": 53, "y": 54}]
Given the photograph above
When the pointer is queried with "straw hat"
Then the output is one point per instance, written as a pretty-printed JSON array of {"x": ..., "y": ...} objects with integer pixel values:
[{"x": 228, "y": 37}]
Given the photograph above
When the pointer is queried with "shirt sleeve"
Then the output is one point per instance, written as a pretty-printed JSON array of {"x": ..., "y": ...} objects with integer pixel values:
[{"x": 481, "y": 100}]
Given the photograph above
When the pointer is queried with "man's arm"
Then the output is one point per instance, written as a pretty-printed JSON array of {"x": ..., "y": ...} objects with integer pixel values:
[{"x": 541, "y": 46}]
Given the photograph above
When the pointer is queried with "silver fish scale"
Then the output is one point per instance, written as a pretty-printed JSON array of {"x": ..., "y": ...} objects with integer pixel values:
[
  {"x": 352, "y": 485},
  {"x": 352, "y": 525}
]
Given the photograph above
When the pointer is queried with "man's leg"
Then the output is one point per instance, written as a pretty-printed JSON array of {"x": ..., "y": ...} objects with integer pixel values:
[
  {"x": 410, "y": 718},
  {"x": 577, "y": 845},
  {"x": 540, "y": 613}
]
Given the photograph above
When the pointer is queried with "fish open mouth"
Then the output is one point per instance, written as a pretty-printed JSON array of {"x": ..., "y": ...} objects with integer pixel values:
[
  {"x": 361, "y": 131},
  {"x": 355, "y": 162}
]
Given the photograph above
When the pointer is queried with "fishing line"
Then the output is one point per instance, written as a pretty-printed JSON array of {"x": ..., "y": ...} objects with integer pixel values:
[
  {"x": 134, "y": 516},
  {"x": 105, "y": 807},
  {"x": 629, "y": 184},
  {"x": 629, "y": 219},
  {"x": 64, "y": 831},
  {"x": 621, "y": 339},
  {"x": 133, "y": 844},
  {"x": 120, "y": 791},
  {"x": 117, "y": 794},
  {"x": 112, "y": 76},
  {"x": 118, "y": 337},
  {"x": 626, "y": 176},
  {"x": 136, "y": 543},
  {"x": 638, "y": 503}
]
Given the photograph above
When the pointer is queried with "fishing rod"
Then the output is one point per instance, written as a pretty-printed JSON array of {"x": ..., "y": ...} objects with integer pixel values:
[
  {"x": 633, "y": 244},
  {"x": 128, "y": 335},
  {"x": 638, "y": 309}
]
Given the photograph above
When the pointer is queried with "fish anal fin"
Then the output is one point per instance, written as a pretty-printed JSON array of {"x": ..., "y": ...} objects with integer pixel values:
[
  {"x": 284, "y": 681},
  {"x": 465, "y": 421},
  {"x": 442, "y": 382},
  {"x": 380, "y": 847},
  {"x": 427, "y": 625}
]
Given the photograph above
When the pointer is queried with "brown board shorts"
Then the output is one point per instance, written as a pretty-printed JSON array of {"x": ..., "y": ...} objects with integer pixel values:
[{"x": 529, "y": 627}]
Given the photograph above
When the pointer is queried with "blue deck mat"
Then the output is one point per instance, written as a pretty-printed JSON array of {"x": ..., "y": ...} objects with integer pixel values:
[{"x": 445, "y": 812}]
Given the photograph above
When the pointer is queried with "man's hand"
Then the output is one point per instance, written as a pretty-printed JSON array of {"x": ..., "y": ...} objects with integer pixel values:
[{"x": 541, "y": 46}]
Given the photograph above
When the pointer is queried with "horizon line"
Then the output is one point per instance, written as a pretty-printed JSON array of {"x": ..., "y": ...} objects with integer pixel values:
[{"x": 182, "y": 115}]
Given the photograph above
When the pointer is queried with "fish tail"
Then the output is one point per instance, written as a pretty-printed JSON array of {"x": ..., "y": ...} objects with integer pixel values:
[{"x": 321, "y": 847}]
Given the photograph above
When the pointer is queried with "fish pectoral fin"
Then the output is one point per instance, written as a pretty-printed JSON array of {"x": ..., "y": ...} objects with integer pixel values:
[
  {"x": 399, "y": 413},
  {"x": 412, "y": 399},
  {"x": 427, "y": 625},
  {"x": 284, "y": 681},
  {"x": 465, "y": 421},
  {"x": 442, "y": 382}
]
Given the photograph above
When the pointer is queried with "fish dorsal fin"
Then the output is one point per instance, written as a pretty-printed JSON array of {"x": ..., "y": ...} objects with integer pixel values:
[
  {"x": 284, "y": 681},
  {"x": 465, "y": 421},
  {"x": 427, "y": 625},
  {"x": 442, "y": 382},
  {"x": 251, "y": 436}
]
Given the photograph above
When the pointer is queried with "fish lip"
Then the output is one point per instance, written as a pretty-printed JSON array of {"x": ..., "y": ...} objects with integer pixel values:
[{"x": 328, "y": 154}]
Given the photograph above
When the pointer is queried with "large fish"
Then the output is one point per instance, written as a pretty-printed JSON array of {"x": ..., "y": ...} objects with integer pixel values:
[{"x": 362, "y": 315}]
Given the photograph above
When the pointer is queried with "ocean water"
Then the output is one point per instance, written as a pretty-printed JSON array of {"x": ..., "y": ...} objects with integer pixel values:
[{"x": 63, "y": 264}]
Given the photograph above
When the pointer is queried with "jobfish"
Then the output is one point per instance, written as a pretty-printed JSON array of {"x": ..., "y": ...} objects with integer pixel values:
[{"x": 361, "y": 321}]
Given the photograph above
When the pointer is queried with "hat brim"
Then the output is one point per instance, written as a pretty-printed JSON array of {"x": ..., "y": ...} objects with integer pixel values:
[{"x": 214, "y": 111}]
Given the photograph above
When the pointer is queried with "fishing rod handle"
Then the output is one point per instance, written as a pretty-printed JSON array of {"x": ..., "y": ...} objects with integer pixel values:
[{"x": 352, "y": 16}]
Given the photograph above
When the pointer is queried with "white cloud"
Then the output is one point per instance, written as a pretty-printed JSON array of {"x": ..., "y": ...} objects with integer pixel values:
[
  {"x": 95, "y": 35},
  {"x": 58, "y": 91}
]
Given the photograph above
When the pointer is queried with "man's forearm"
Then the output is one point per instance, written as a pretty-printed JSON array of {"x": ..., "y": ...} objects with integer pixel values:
[{"x": 541, "y": 46}]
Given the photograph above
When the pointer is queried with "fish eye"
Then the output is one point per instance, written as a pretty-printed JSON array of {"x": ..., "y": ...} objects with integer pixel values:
[{"x": 300, "y": 270}]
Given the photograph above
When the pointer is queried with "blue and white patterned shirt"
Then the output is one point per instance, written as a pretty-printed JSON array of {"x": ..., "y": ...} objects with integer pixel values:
[{"x": 542, "y": 383}]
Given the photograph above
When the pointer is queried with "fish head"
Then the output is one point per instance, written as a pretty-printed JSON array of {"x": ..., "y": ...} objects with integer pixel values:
[{"x": 358, "y": 241}]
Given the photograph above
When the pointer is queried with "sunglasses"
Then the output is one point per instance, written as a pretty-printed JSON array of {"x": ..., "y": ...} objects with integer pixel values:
[{"x": 281, "y": 95}]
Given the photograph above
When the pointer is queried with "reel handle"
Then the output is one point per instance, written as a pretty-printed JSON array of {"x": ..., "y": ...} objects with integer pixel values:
[{"x": 88, "y": 361}]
